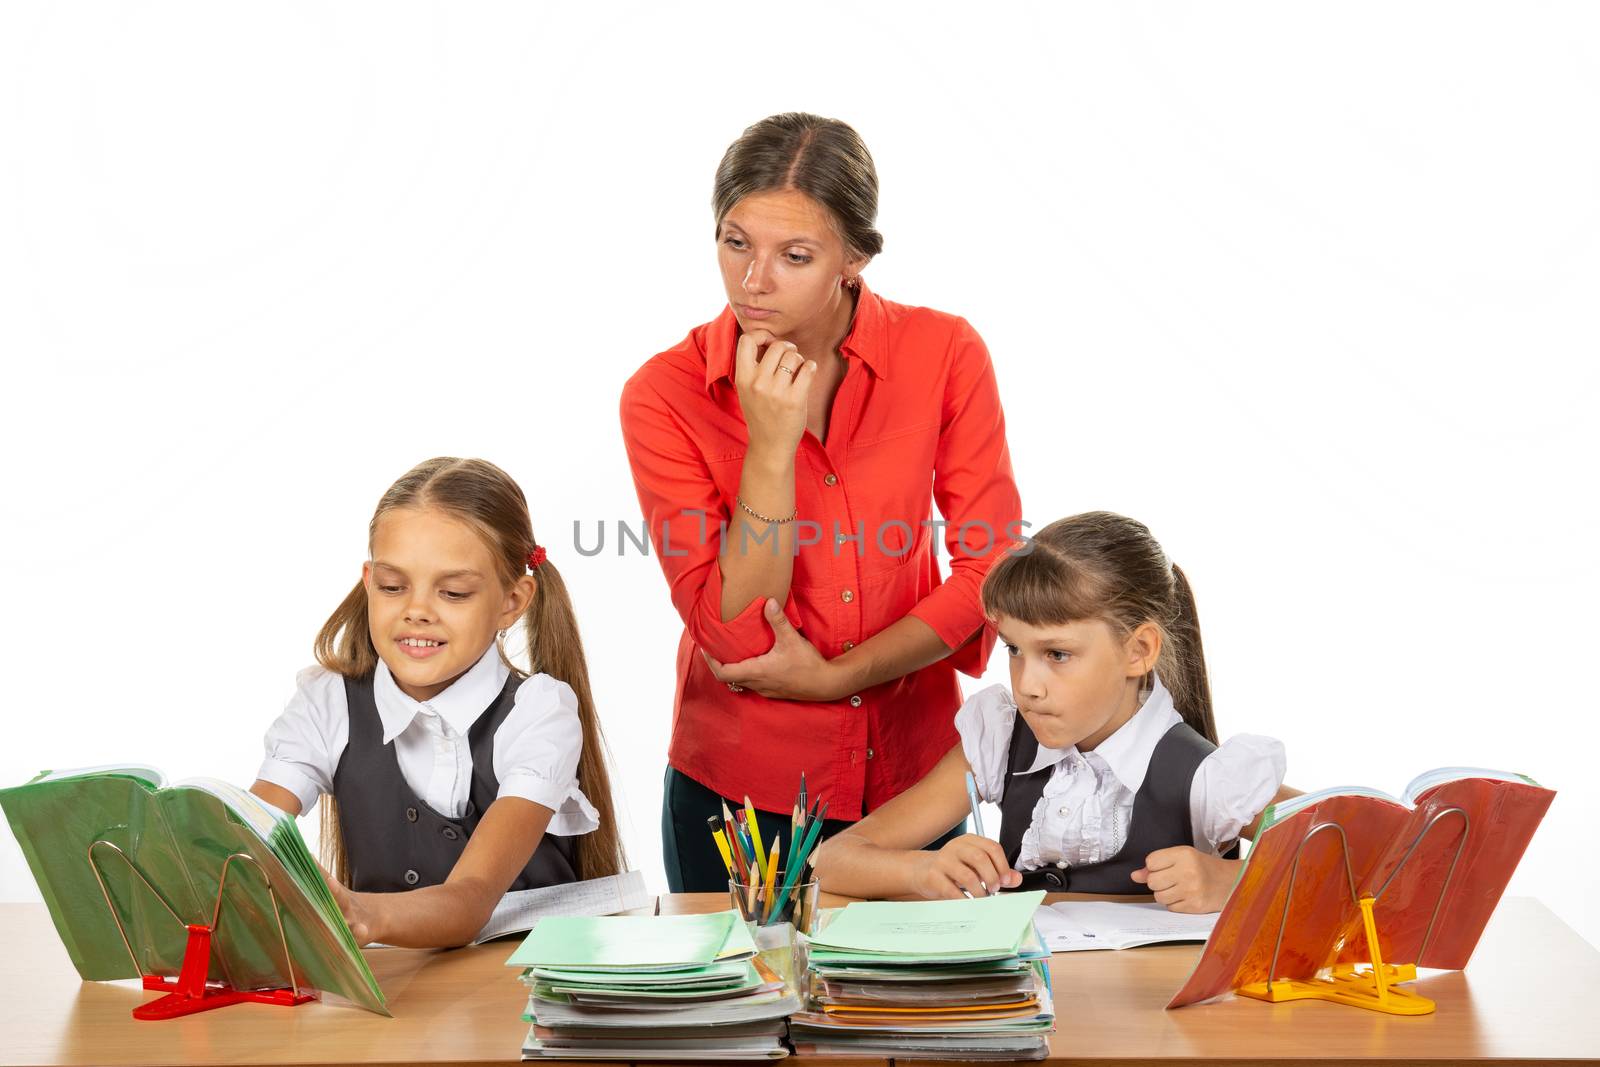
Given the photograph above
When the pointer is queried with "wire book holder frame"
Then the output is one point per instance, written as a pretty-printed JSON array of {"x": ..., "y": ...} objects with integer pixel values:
[
  {"x": 192, "y": 991},
  {"x": 1377, "y": 987}
]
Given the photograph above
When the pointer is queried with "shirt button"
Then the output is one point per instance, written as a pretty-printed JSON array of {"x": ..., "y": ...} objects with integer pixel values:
[
  {"x": 848, "y": 645},
  {"x": 412, "y": 878},
  {"x": 411, "y": 815},
  {"x": 869, "y": 753},
  {"x": 855, "y": 702},
  {"x": 1062, "y": 810},
  {"x": 831, "y": 479},
  {"x": 847, "y": 596}
]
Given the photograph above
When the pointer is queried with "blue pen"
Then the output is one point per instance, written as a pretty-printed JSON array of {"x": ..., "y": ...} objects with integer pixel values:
[
  {"x": 977, "y": 823},
  {"x": 972, "y": 798}
]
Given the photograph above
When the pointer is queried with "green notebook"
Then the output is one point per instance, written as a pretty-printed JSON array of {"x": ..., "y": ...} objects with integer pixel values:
[
  {"x": 628, "y": 942},
  {"x": 889, "y": 931},
  {"x": 179, "y": 836}
]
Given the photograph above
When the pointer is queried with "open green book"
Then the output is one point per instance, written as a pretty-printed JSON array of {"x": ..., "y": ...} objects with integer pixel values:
[{"x": 178, "y": 838}]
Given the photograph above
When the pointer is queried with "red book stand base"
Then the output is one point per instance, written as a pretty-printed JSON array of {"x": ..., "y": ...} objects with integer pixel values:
[{"x": 190, "y": 992}]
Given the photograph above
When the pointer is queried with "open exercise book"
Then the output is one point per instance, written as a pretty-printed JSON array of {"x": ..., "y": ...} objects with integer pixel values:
[
  {"x": 1436, "y": 860},
  {"x": 1083, "y": 925},
  {"x": 118, "y": 843}
]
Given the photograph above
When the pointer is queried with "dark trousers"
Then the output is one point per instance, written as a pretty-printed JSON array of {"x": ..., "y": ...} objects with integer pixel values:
[{"x": 690, "y": 852}]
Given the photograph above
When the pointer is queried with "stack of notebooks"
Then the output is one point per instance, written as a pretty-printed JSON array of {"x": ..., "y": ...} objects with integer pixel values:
[
  {"x": 665, "y": 987},
  {"x": 945, "y": 979}
]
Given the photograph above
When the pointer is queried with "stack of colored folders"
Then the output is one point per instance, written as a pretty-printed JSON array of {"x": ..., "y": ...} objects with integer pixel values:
[
  {"x": 666, "y": 987},
  {"x": 938, "y": 979}
]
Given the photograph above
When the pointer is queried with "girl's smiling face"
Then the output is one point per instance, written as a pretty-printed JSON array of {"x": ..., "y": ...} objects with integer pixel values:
[
  {"x": 782, "y": 261},
  {"x": 1077, "y": 683},
  {"x": 435, "y": 599}
]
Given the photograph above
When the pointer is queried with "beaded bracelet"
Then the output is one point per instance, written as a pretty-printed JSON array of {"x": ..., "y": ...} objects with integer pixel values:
[{"x": 771, "y": 522}]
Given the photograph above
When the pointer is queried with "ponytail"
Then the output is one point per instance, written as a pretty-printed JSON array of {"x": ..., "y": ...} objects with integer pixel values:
[
  {"x": 1186, "y": 666},
  {"x": 555, "y": 648},
  {"x": 343, "y": 646}
]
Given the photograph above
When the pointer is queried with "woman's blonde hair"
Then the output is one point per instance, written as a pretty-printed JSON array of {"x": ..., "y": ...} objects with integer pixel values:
[
  {"x": 1100, "y": 565},
  {"x": 486, "y": 498}
]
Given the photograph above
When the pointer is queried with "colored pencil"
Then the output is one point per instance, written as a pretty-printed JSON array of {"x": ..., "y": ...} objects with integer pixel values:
[
  {"x": 755, "y": 835},
  {"x": 722, "y": 844}
]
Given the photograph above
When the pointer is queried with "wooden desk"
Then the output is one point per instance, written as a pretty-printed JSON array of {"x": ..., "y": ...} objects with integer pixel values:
[{"x": 1532, "y": 994}]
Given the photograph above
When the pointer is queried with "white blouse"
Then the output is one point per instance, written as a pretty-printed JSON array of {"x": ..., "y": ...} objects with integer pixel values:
[
  {"x": 1083, "y": 816},
  {"x": 536, "y": 747}
]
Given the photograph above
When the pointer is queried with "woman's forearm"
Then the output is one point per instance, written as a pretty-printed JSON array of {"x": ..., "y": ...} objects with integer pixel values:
[
  {"x": 907, "y": 645},
  {"x": 757, "y": 559}
]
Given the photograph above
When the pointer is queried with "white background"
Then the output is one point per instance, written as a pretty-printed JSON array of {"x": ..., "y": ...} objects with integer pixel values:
[{"x": 1309, "y": 291}]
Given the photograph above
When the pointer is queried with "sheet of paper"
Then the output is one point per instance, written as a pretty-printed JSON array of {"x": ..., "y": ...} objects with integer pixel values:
[
  {"x": 1076, "y": 926},
  {"x": 521, "y": 910}
]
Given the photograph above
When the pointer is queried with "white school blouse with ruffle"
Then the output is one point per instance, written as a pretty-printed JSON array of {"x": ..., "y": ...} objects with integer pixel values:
[{"x": 1083, "y": 816}]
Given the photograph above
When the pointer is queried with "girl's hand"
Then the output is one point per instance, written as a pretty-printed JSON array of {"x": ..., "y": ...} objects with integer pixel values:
[
  {"x": 792, "y": 670},
  {"x": 357, "y": 913},
  {"x": 1188, "y": 880},
  {"x": 773, "y": 399},
  {"x": 970, "y": 862}
]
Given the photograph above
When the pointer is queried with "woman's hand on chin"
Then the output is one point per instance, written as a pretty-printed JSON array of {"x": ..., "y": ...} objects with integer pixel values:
[
  {"x": 773, "y": 381},
  {"x": 792, "y": 670}
]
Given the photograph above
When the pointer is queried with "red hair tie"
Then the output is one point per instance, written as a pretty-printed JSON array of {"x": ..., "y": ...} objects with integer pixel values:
[{"x": 536, "y": 557}]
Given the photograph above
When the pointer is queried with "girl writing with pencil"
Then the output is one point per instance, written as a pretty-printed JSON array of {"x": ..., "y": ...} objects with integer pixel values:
[
  {"x": 1102, "y": 754},
  {"x": 447, "y": 775}
]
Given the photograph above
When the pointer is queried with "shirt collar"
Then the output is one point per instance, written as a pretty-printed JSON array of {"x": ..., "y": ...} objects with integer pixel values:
[
  {"x": 1127, "y": 751},
  {"x": 866, "y": 340},
  {"x": 459, "y": 705}
]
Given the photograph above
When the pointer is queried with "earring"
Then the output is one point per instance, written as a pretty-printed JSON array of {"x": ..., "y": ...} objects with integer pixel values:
[
  {"x": 851, "y": 281},
  {"x": 502, "y": 635}
]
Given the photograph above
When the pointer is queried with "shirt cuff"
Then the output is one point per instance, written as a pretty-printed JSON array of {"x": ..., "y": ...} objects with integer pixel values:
[
  {"x": 288, "y": 776},
  {"x": 574, "y": 815},
  {"x": 745, "y": 635}
]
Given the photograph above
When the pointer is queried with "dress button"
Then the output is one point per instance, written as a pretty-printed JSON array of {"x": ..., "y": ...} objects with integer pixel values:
[
  {"x": 450, "y": 833},
  {"x": 832, "y": 479},
  {"x": 855, "y": 701},
  {"x": 848, "y": 645},
  {"x": 411, "y": 815},
  {"x": 412, "y": 878},
  {"x": 847, "y": 596}
]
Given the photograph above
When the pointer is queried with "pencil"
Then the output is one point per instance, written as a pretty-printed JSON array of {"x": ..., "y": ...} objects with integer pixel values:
[
  {"x": 722, "y": 844},
  {"x": 772, "y": 872},
  {"x": 755, "y": 834}
]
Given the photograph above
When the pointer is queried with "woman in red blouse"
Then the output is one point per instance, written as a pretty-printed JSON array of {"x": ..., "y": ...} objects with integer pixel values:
[{"x": 786, "y": 456}]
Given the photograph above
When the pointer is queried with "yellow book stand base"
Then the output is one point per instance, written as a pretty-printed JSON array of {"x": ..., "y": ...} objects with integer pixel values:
[{"x": 1375, "y": 989}]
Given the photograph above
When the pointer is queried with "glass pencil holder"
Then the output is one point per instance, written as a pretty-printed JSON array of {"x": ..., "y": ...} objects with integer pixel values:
[
  {"x": 795, "y": 906},
  {"x": 778, "y": 929}
]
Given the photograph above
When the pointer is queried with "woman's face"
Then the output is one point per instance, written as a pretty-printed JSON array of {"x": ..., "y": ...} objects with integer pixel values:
[{"x": 782, "y": 262}]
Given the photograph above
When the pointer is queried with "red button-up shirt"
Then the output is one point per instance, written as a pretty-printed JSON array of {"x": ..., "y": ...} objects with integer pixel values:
[{"x": 916, "y": 419}]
